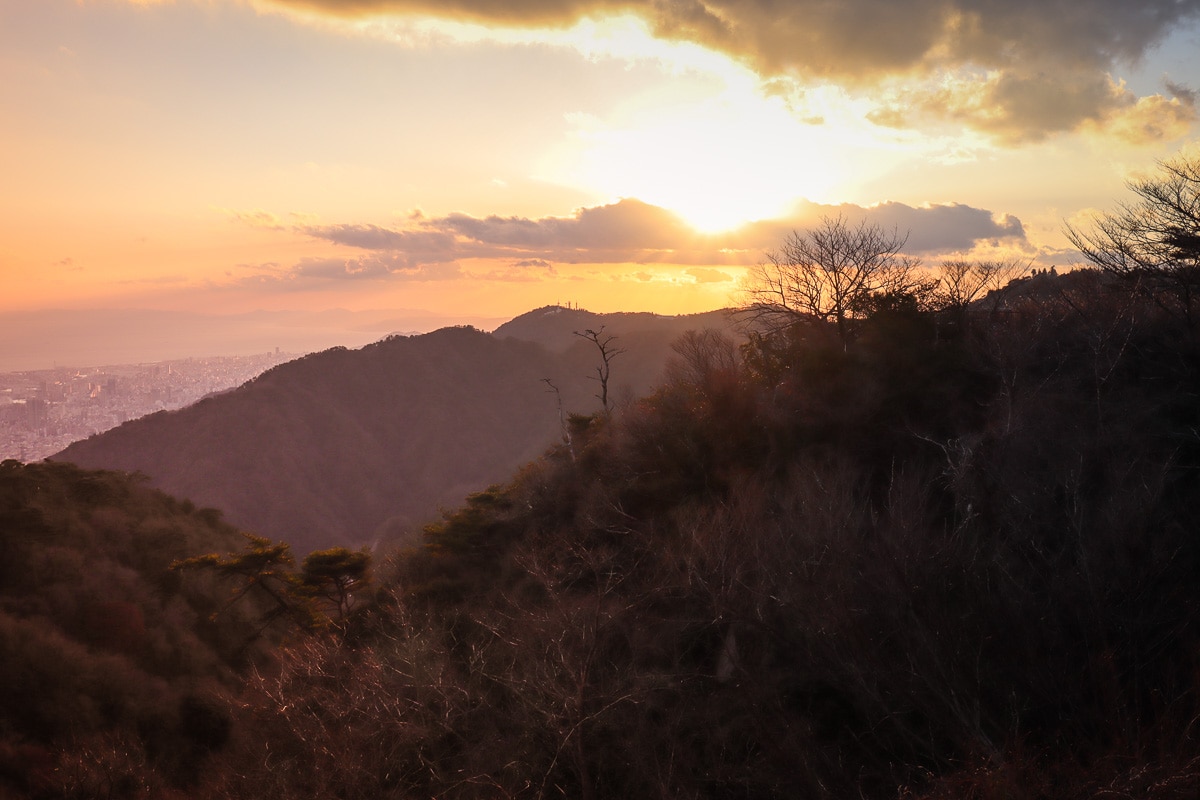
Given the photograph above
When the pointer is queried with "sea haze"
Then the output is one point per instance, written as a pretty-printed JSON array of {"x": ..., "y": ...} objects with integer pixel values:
[{"x": 93, "y": 337}]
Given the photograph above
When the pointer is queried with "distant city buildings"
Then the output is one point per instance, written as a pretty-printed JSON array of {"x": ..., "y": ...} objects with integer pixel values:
[{"x": 43, "y": 411}]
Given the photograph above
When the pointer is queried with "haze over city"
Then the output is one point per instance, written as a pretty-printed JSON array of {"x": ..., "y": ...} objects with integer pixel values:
[{"x": 413, "y": 164}]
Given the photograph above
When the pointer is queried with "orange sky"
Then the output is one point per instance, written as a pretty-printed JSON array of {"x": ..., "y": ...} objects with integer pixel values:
[{"x": 483, "y": 158}]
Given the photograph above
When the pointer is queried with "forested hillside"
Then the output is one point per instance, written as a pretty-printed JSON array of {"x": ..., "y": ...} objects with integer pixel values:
[
  {"x": 347, "y": 447},
  {"x": 115, "y": 670},
  {"x": 942, "y": 550},
  {"x": 951, "y": 554}
]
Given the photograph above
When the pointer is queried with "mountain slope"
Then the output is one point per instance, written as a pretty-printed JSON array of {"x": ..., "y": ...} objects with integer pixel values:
[
  {"x": 933, "y": 561},
  {"x": 112, "y": 665},
  {"x": 344, "y": 446}
]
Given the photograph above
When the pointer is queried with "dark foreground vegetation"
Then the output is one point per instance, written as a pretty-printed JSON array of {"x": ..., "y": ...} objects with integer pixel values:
[
  {"x": 955, "y": 557},
  {"x": 113, "y": 666},
  {"x": 910, "y": 546}
]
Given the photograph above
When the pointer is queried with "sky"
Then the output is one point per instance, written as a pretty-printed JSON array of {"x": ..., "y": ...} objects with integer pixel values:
[{"x": 475, "y": 159}]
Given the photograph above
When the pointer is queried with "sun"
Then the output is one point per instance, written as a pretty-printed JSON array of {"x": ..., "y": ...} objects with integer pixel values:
[
  {"x": 700, "y": 137},
  {"x": 718, "y": 162}
]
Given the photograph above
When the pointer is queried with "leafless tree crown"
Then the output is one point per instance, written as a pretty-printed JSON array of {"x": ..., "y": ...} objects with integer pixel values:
[
  {"x": 827, "y": 273},
  {"x": 1160, "y": 232},
  {"x": 608, "y": 351},
  {"x": 1156, "y": 239},
  {"x": 962, "y": 281}
]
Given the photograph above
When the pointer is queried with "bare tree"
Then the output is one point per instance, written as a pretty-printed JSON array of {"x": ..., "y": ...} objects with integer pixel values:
[
  {"x": 608, "y": 351},
  {"x": 701, "y": 356},
  {"x": 1155, "y": 239},
  {"x": 563, "y": 428},
  {"x": 829, "y": 273},
  {"x": 963, "y": 282}
]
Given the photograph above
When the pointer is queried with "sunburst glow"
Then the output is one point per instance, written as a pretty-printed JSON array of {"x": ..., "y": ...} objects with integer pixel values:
[
  {"x": 718, "y": 164},
  {"x": 245, "y": 154},
  {"x": 710, "y": 144}
]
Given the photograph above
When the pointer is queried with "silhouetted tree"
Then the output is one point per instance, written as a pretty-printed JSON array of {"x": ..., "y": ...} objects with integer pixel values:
[
  {"x": 265, "y": 569},
  {"x": 829, "y": 273},
  {"x": 562, "y": 416},
  {"x": 334, "y": 576},
  {"x": 608, "y": 351},
  {"x": 702, "y": 356},
  {"x": 963, "y": 281},
  {"x": 1155, "y": 239}
]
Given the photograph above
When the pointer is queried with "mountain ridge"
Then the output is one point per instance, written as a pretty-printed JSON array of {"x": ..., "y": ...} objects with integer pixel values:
[{"x": 345, "y": 447}]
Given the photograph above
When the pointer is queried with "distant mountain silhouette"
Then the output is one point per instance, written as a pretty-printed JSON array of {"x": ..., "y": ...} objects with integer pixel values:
[
  {"x": 554, "y": 326},
  {"x": 344, "y": 447}
]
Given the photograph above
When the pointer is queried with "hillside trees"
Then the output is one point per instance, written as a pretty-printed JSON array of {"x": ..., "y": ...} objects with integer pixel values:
[
  {"x": 348, "y": 447},
  {"x": 323, "y": 592},
  {"x": 1155, "y": 239},
  {"x": 890, "y": 572},
  {"x": 919, "y": 566},
  {"x": 833, "y": 272},
  {"x": 335, "y": 578},
  {"x": 962, "y": 281},
  {"x": 113, "y": 676}
]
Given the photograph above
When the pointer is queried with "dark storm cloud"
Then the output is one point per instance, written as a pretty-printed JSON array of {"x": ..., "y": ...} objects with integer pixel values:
[{"x": 1025, "y": 68}]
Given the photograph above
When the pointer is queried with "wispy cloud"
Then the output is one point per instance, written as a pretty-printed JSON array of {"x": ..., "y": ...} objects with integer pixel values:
[
  {"x": 421, "y": 243},
  {"x": 255, "y": 219},
  {"x": 709, "y": 275}
]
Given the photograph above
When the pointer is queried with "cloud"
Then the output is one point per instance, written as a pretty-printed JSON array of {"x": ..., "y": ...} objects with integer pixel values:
[
  {"x": 1182, "y": 93},
  {"x": 622, "y": 226},
  {"x": 427, "y": 244},
  {"x": 943, "y": 228},
  {"x": 373, "y": 266},
  {"x": 625, "y": 232},
  {"x": 1021, "y": 69},
  {"x": 1015, "y": 107},
  {"x": 255, "y": 219},
  {"x": 529, "y": 270},
  {"x": 932, "y": 230},
  {"x": 708, "y": 275},
  {"x": 1155, "y": 118},
  {"x": 360, "y": 268}
]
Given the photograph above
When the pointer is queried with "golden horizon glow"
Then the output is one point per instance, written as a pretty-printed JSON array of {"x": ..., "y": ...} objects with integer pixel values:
[{"x": 243, "y": 153}]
